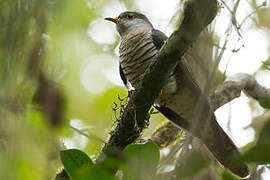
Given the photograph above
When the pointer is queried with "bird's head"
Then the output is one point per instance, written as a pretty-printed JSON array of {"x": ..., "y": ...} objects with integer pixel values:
[{"x": 128, "y": 21}]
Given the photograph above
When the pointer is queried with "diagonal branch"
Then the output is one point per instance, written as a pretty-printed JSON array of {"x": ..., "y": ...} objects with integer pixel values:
[{"x": 233, "y": 86}]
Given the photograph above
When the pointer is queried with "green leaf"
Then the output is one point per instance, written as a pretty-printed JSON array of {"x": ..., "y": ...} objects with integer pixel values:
[
  {"x": 74, "y": 159},
  {"x": 143, "y": 160},
  {"x": 264, "y": 137},
  {"x": 148, "y": 152},
  {"x": 225, "y": 175},
  {"x": 259, "y": 154},
  {"x": 265, "y": 103},
  {"x": 95, "y": 172}
]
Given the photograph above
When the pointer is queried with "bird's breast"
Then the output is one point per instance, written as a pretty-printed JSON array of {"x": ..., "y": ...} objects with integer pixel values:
[{"x": 137, "y": 50}]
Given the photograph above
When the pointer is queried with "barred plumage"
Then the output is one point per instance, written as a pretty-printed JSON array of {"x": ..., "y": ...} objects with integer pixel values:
[{"x": 136, "y": 53}]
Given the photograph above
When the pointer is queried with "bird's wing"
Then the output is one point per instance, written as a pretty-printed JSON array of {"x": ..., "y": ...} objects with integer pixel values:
[
  {"x": 123, "y": 77},
  {"x": 181, "y": 69},
  {"x": 158, "y": 38}
]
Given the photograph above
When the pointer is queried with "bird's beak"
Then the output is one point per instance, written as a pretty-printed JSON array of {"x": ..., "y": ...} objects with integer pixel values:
[{"x": 114, "y": 20}]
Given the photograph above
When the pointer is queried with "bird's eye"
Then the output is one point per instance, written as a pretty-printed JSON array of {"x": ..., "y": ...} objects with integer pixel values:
[{"x": 129, "y": 16}]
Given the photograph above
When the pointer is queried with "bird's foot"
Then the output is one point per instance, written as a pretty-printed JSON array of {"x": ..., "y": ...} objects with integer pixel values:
[
  {"x": 141, "y": 76},
  {"x": 130, "y": 92}
]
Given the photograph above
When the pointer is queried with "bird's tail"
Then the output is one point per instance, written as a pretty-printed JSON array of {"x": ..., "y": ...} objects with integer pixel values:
[
  {"x": 213, "y": 137},
  {"x": 223, "y": 149}
]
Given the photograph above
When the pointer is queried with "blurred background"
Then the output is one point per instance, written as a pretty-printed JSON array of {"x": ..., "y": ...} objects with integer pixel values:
[{"x": 60, "y": 79}]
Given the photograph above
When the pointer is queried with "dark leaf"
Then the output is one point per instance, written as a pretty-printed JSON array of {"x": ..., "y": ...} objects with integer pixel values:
[
  {"x": 225, "y": 175},
  {"x": 95, "y": 172},
  {"x": 74, "y": 159},
  {"x": 265, "y": 103},
  {"x": 143, "y": 160},
  {"x": 259, "y": 154}
]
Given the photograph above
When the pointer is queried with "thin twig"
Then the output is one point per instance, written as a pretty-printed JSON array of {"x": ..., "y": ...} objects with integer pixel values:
[
  {"x": 90, "y": 137},
  {"x": 253, "y": 12}
]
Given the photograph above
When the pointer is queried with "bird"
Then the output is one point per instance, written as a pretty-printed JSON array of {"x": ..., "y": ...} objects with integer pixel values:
[{"x": 179, "y": 97}]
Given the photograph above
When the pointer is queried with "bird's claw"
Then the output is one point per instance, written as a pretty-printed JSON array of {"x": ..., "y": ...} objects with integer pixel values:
[
  {"x": 141, "y": 76},
  {"x": 130, "y": 92}
]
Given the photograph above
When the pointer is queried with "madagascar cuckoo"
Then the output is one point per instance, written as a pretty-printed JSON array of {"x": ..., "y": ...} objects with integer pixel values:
[{"x": 140, "y": 43}]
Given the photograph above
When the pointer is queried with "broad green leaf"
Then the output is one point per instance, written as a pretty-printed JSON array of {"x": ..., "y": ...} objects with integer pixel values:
[
  {"x": 265, "y": 103},
  {"x": 259, "y": 154},
  {"x": 74, "y": 159},
  {"x": 143, "y": 160},
  {"x": 225, "y": 175},
  {"x": 95, "y": 172},
  {"x": 148, "y": 152},
  {"x": 264, "y": 137}
]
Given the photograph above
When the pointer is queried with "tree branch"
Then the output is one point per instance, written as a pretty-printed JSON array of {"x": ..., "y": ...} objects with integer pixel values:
[{"x": 251, "y": 87}]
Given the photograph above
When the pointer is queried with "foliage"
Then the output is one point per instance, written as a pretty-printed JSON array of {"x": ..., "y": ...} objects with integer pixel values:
[
  {"x": 143, "y": 161},
  {"x": 258, "y": 154},
  {"x": 73, "y": 160},
  {"x": 79, "y": 166}
]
